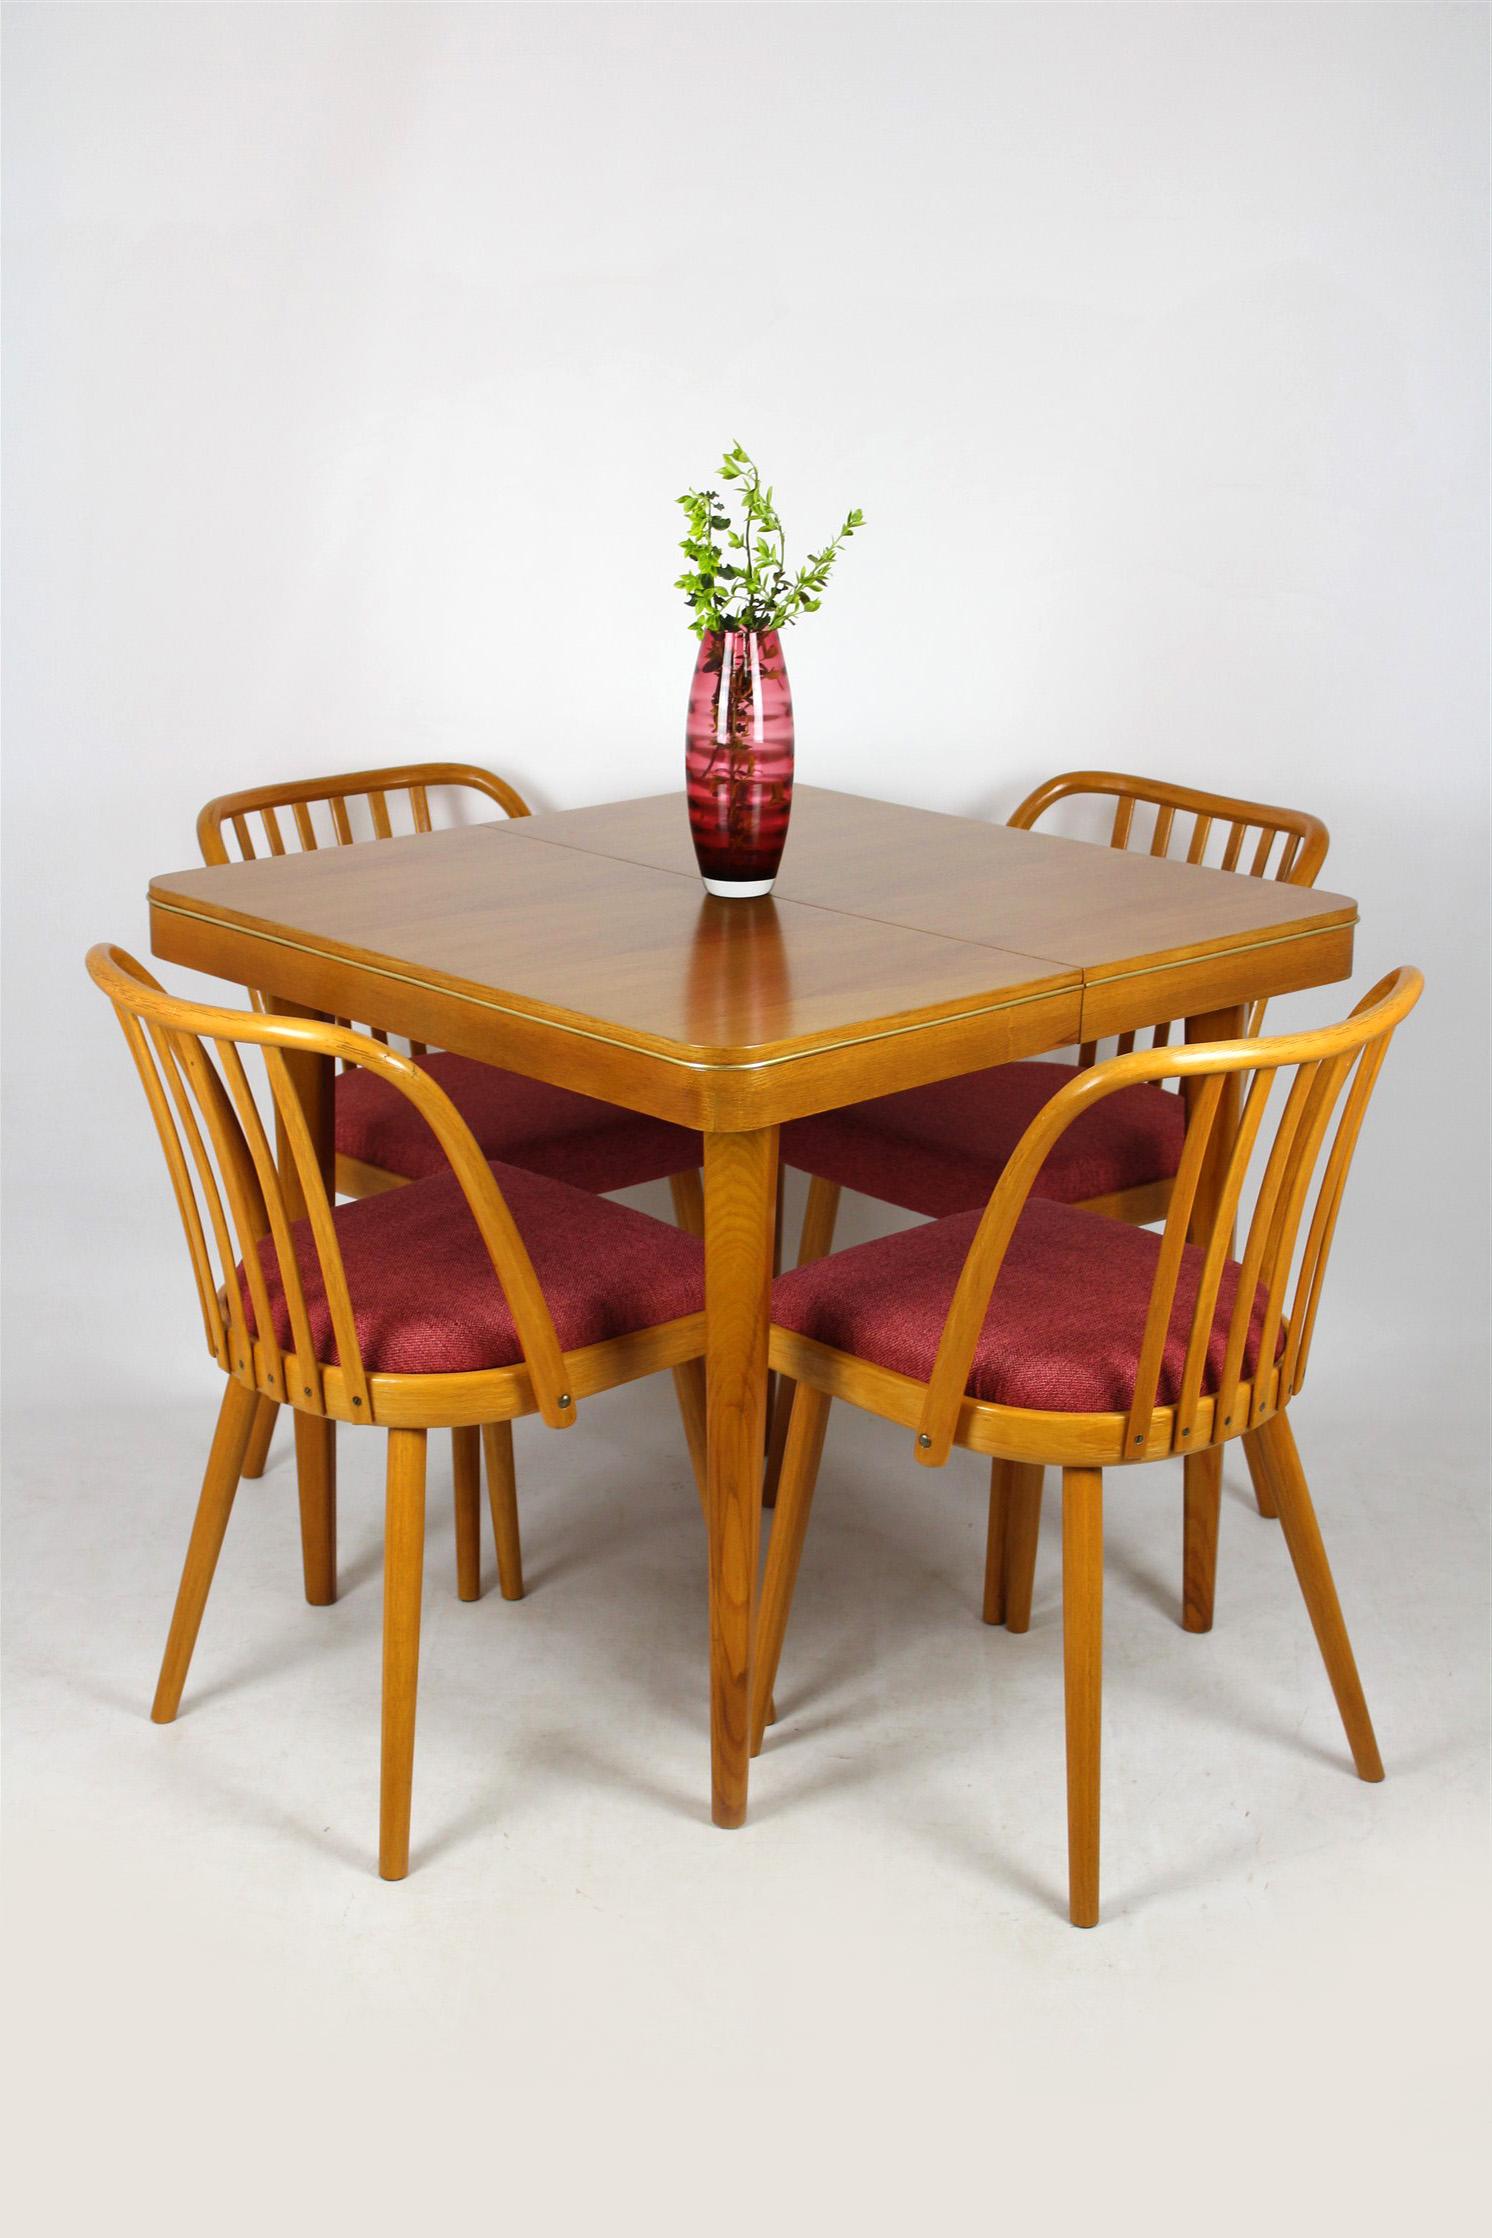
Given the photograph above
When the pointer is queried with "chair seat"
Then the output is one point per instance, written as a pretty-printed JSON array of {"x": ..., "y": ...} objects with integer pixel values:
[
  {"x": 526, "y": 1123},
  {"x": 942, "y": 1148},
  {"x": 1065, "y": 1323},
  {"x": 426, "y": 1301}
]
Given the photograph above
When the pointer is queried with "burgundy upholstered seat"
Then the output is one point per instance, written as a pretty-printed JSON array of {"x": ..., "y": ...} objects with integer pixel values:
[
  {"x": 942, "y": 1148},
  {"x": 1064, "y": 1327},
  {"x": 526, "y": 1123},
  {"x": 425, "y": 1298}
]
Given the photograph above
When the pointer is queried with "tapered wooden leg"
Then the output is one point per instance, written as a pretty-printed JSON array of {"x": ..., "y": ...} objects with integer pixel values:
[
  {"x": 1303, "y": 1538},
  {"x": 403, "y": 1582},
  {"x": 313, "y": 1078},
  {"x": 800, "y": 1469},
  {"x": 256, "y": 1452},
  {"x": 1202, "y": 1497},
  {"x": 769, "y": 1491},
  {"x": 1082, "y": 1660},
  {"x": 994, "y": 1544},
  {"x": 814, "y": 1242},
  {"x": 740, "y": 1197},
  {"x": 466, "y": 1462},
  {"x": 1256, "y": 1453},
  {"x": 688, "y": 1195},
  {"x": 316, "y": 1472},
  {"x": 689, "y": 1385},
  {"x": 687, "y": 1190},
  {"x": 214, "y": 1506},
  {"x": 1022, "y": 1529},
  {"x": 502, "y": 1496}
]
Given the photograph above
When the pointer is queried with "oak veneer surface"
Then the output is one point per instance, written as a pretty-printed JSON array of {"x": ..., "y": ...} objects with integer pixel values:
[
  {"x": 603, "y": 973},
  {"x": 901, "y": 946},
  {"x": 1072, "y": 901}
]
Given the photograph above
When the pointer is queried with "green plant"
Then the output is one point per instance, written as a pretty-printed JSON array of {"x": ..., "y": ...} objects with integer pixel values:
[{"x": 756, "y": 591}]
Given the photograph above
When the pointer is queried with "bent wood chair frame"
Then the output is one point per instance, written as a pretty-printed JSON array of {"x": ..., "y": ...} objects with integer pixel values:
[
  {"x": 232, "y": 1194},
  {"x": 1331, "y": 1071},
  {"x": 259, "y": 821},
  {"x": 1256, "y": 840}
]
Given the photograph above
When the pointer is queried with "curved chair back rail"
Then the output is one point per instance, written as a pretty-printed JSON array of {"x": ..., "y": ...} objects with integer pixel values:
[
  {"x": 284, "y": 811},
  {"x": 235, "y": 812},
  {"x": 231, "y": 1194},
  {"x": 1329, "y": 1072},
  {"x": 1250, "y": 832}
]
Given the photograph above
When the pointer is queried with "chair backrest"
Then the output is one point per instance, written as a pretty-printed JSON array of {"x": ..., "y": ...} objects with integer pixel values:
[
  {"x": 1240, "y": 835},
  {"x": 316, "y": 812},
  {"x": 362, "y": 794},
  {"x": 1329, "y": 1071},
  {"x": 231, "y": 1194}
]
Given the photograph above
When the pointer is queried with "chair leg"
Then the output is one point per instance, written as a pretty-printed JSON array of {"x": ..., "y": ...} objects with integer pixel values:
[
  {"x": 256, "y": 1453},
  {"x": 994, "y": 1543},
  {"x": 403, "y": 1582},
  {"x": 1202, "y": 1476},
  {"x": 316, "y": 1474},
  {"x": 502, "y": 1497},
  {"x": 1022, "y": 1529},
  {"x": 689, "y": 1385},
  {"x": 1256, "y": 1454},
  {"x": 214, "y": 1506},
  {"x": 1082, "y": 1661},
  {"x": 687, "y": 1191},
  {"x": 814, "y": 1242},
  {"x": 1303, "y": 1538},
  {"x": 800, "y": 1468},
  {"x": 466, "y": 1466}
]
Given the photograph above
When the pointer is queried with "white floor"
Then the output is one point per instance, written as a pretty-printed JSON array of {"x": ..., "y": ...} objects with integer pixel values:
[{"x": 866, "y": 2008}]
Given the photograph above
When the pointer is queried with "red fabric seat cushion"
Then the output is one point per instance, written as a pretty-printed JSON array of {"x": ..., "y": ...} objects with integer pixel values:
[
  {"x": 526, "y": 1123},
  {"x": 1065, "y": 1322},
  {"x": 426, "y": 1301},
  {"x": 942, "y": 1148}
]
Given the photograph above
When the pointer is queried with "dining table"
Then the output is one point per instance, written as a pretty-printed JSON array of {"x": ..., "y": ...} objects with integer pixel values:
[{"x": 900, "y": 946}]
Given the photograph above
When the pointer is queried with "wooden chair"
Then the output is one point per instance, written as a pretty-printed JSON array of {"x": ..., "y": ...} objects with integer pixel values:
[
  {"x": 461, "y": 1301},
  {"x": 381, "y": 1142},
  {"x": 940, "y": 1149},
  {"x": 1044, "y": 1336}
]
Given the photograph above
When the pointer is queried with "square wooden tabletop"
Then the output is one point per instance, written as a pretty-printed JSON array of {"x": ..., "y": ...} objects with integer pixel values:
[{"x": 900, "y": 946}]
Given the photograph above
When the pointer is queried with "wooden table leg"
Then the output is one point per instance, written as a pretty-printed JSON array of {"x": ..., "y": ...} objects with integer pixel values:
[
  {"x": 315, "y": 1439},
  {"x": 740, "y": 1209}
]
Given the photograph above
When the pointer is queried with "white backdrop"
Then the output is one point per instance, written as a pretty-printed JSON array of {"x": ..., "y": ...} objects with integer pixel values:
[{"x": 356, "y": 355}]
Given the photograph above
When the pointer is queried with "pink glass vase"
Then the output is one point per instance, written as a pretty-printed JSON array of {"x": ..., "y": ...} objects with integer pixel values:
[{"x": 738, "y": 760}]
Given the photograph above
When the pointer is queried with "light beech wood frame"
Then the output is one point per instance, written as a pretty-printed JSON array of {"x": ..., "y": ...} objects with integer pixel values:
[
  {"x": 275, "y": 820},
  {"x": 1258, "y": 840},
  {"x": 1330, "y": 1074},
  {"x": 259, "y": 820},
  {"x": 231, "y": 1193}
]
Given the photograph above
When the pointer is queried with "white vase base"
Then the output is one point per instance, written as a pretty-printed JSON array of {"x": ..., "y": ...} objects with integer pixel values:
[{"x": 739, "y": 889}]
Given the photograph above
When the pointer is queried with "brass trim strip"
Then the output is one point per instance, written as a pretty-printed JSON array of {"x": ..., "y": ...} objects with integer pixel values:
[
  {"x": 1220, "y": 955},
  {"x": 589, "y": 1033}
]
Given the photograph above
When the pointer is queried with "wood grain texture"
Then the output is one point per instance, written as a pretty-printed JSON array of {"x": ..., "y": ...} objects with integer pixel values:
[
  {"x": 805, "y": 1446},
  {"x": 1082, "y": 1673},
  {"x": 1202, "y": 1495},
  {"x": 403, "y": 1585},
  {"x": 740, "y": 1207},
  {"x": 1308, "y": 1554},
  {"x": 1315, "y": 1086},
  {"x": 466, "y": 1479},
  {"x": 502, "y": 1497},
  {"x": 627, "y": 982},
  {"x": 256, "y": 1452},
  {"x": 219, "y": 1484}
]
